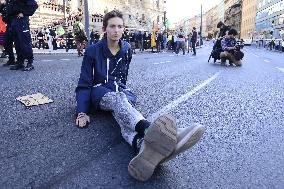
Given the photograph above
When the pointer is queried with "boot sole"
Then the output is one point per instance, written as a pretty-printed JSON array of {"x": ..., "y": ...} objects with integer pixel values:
[
  {"x": 187, "y": 142},
  {"x": 159, "y": 142}
]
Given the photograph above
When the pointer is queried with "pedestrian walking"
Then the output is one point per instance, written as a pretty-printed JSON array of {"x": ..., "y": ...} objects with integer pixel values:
[
  {"x": 70, "y": 40},
  {"x": 180, "y": 41},
  {"x": 80, "y": 36},
  {"x": 132, "y": 40},
  {"x": 40, "y": 38},
  {"x": 102, "y": 85},
  {"x": 153, "y": 41},
  {"x": 194, "y": 40},
  {"x": 140, "y": 41},
  {"x": 92, "y": 37}
]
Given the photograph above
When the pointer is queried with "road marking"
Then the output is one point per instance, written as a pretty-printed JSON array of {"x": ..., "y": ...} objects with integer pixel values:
[
  {"x": 46, "y": 60},
  {"x": 183, "y": 98},
  {"x": 171, "y": 55},
  {"x": 255, "y": 55},
  {"x": 281, "y": 69},
  {"x": 266, "y": 61},
  {"x": 65, "y": 59},
  {"x": 162, "y": 62}
]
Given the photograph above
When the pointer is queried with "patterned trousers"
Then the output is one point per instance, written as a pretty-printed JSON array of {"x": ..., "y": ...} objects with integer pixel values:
[{"x": 123, "y": 112}]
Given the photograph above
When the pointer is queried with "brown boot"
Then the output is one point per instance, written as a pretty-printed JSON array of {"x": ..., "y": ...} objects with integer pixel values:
[
  {"x": 159, "y": 142},
  {"x": 186, "y": 138}
]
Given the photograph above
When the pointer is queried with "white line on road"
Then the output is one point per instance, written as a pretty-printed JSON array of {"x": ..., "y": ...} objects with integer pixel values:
[
  {"x": 65, "y": 59},
  {"x": 183, "y": 98},
  {"x": 255, "y": 55},
  {"x": 162, "y": 62},
  {"x": 47, "y": 60},
  {"x": 266, "y": 61},
  {"x": 281, "y": 69}
]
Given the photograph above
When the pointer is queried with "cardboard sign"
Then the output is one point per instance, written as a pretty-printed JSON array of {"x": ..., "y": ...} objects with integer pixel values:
[{"x": 34, "y": 100}]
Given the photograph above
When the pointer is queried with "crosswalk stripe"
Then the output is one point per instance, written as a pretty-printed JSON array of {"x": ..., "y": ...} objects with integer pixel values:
[{"x": 281, "y": 69}]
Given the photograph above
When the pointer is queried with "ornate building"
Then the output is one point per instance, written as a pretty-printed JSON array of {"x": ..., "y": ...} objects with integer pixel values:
[
  {"x": 211, "y": 22},
  {"x": 138, "y": 14},
  {"x": 233, "y": 14}
]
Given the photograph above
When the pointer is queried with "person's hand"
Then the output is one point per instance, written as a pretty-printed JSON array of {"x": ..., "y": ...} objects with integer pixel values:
[
  {"x": 82, "y": 120},
  {"x": 20, "y": 15}
]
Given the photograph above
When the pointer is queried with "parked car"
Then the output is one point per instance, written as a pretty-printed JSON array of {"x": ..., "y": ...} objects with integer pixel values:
[{"x": 247, "y": 42}]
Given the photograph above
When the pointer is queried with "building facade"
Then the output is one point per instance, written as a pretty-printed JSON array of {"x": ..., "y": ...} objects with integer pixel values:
[
  {"x": 221, "y": 11},
  {"x": 211, "y": 22},
  {"x": 248, "y": 18},
  {"x": 233, "y": 14},
  {"x": 269, "y": 21},
  {"x": 138, "y": 14}
]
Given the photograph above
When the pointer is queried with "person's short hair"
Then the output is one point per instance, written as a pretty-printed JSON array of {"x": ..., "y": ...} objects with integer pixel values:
[
  {"x": 220, "y": 24},
  {"x": 111, "y": 14},
  {"x": 77, "y": 18},
  {"x": 194, "y": 28},
  {"x": 233, "y": 32}
]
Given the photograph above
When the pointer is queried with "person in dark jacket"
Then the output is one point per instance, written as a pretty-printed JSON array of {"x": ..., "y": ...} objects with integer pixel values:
[
  {"x": 40, "y": 38},
  {"x": 102, "y": 85},
  {"x": 8, "y": 37},
  {"x": 97, "y": 37},
  {"x": 69, "y": 41},
  {"x": 92, "y": 37},
  {"x": 194, "y": 40},
  {"x": 224, "y": 29},
  {"x": 19, "y": 12}
]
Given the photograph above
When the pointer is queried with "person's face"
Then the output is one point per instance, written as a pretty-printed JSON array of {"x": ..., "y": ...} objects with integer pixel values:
[
  {"x": 114, "y": 28},
  {"x": 231, "y": 36}
]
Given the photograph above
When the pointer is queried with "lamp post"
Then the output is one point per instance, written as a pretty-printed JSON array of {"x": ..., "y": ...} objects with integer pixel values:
[
  {"x": 64, "y": 12},
  {"x": 200, "y": 43},
  {"x": 87, "y": 22}
]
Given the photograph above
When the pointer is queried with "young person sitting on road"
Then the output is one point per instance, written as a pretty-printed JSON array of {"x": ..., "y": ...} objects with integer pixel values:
[{"x": 102, "y": 85}]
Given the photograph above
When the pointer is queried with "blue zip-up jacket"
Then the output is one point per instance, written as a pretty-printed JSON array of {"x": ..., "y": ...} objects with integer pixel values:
[{"x": 103, "y": 72}]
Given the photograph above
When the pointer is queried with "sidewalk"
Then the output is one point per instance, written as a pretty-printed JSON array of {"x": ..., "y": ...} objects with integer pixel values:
[{"x": 58, "y": 51}]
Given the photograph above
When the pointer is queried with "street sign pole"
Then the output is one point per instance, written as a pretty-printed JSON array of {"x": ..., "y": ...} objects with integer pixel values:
[{"x": 87, "y": 22}]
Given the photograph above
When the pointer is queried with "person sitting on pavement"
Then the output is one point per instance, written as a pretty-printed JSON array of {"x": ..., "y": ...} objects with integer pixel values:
[
  {"x": 231, "y": 51},
  {"x": 102, "y": 86}
]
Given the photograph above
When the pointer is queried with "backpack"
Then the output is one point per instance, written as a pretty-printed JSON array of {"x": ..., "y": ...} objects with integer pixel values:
[{"x": 77, "y": 28}]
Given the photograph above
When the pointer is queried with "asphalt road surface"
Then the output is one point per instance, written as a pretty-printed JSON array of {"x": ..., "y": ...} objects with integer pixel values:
[{"x": 242, "y": 109}]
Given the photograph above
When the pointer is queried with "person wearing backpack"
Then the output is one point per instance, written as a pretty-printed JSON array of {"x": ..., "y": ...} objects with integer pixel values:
[
  {"x": 19, "y": 12},
  {"x": 80, "y": 36}
]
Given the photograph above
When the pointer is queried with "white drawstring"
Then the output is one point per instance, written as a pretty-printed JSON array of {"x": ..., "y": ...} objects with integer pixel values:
[
  {"x": 116, "y": 65},
  {"x": 107, "y": 68}
]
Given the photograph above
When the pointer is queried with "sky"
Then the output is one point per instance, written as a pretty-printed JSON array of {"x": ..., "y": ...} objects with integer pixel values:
[{"x": 179, "y": 9}]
